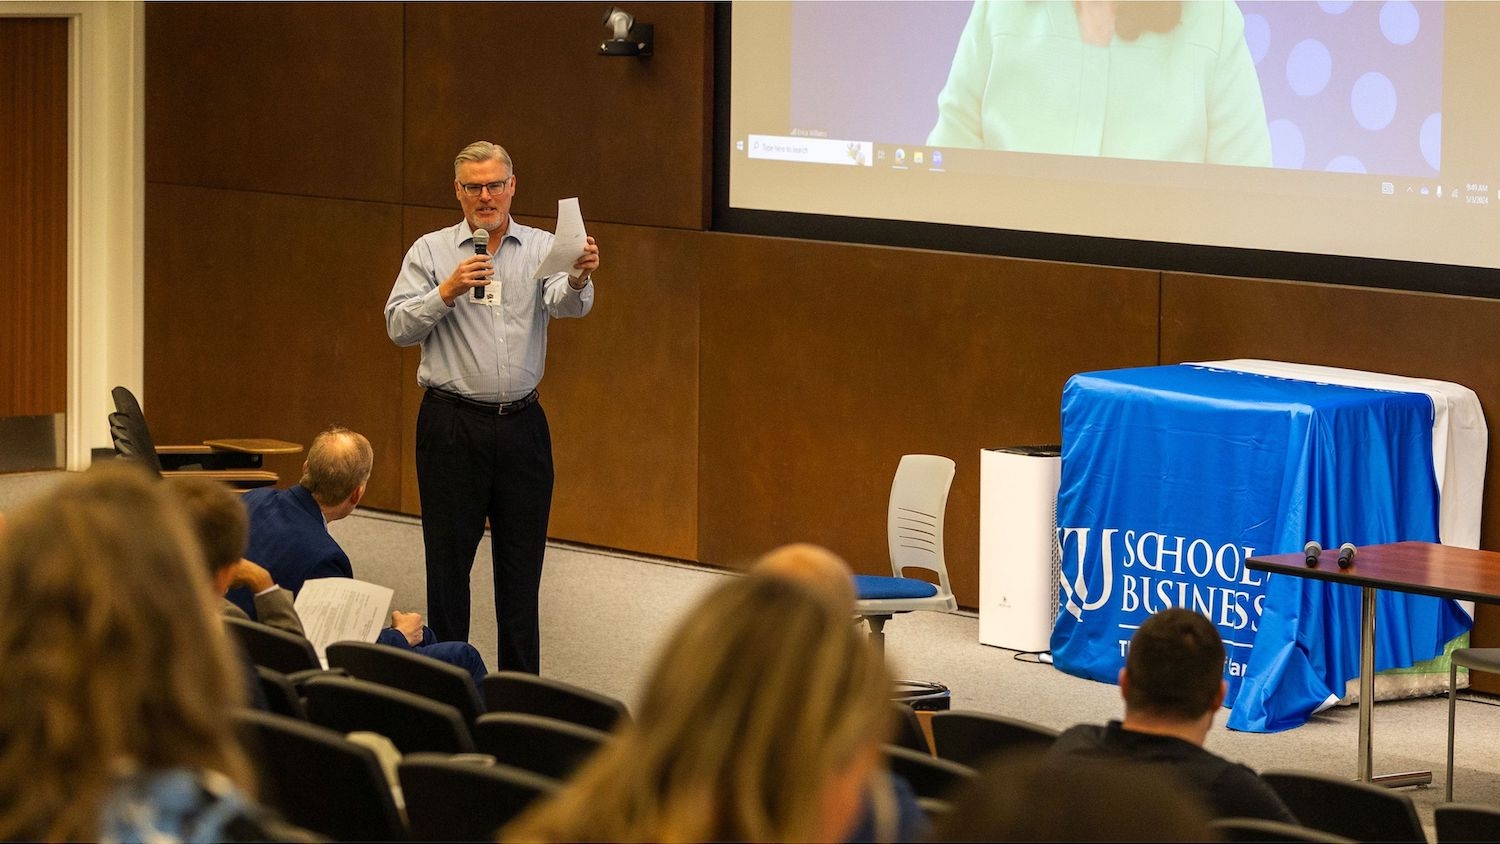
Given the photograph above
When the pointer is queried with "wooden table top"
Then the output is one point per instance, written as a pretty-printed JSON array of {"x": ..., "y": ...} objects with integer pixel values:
[
  {"x": 255, "y": 446},
  {"x": 1423, "y": 568}
]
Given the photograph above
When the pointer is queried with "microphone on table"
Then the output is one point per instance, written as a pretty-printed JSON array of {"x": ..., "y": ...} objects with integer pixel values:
[
  {"x": 1346, "y": 555},
  {"x": 1312, "y": 549},
  {"x": 481, "y": 247}
]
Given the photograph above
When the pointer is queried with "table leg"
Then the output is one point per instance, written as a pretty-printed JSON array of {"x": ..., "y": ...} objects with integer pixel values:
[
  {"x": 1366, "y": 764},
  {"x": 1366, "y": 769}
]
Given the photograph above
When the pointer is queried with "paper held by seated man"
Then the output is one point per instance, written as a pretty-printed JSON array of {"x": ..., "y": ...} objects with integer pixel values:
[{"x": 340, "y": 609}]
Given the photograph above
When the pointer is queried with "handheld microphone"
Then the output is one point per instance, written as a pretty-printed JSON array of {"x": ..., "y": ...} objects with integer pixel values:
[
  {"x": 481, "y": 247},
  {"x": 1346, "y": 555},
  {"x": 1312, "y": 550}
]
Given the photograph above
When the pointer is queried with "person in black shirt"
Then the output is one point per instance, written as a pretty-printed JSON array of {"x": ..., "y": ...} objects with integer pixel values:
[{"x": 1173, "y": 685}]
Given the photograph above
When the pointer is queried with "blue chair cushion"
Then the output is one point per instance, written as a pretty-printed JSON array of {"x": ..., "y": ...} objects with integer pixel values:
[{"x": 870, "y": 587}]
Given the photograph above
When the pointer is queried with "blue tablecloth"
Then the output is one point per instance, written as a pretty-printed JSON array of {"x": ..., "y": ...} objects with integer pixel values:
[{"x": 1173, "y": 475}]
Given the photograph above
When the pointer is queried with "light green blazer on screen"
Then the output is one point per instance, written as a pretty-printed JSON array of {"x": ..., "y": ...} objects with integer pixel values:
[{"x": 1023, "y": 80}]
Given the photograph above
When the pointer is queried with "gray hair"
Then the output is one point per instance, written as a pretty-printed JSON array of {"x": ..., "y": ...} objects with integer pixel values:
[
  {"x": 483, "y": 151},
  {"x": 338, "y": 462}
]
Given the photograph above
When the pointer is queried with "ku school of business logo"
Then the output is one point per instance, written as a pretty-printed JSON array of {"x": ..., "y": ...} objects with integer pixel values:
[{"x": 1126, "y": 575}]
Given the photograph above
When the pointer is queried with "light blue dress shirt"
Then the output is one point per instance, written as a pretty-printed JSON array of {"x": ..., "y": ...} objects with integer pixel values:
[{"x": 492, "y": 351}]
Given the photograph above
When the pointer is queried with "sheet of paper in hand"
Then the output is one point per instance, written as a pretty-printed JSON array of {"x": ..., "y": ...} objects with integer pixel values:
[
  {"x": 567, "y": 242},
  {"x": 338, "y": 609}
]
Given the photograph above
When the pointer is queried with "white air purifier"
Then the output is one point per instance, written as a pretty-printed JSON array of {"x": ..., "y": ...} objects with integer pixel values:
[{"x": 1018, "y": 562}]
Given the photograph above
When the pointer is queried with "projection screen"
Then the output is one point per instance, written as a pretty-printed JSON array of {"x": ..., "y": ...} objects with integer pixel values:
[{"x": 1271, "y": 137}]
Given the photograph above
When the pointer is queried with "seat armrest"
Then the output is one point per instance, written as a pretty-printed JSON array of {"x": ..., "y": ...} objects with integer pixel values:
[{"x": 297, "y": 678}]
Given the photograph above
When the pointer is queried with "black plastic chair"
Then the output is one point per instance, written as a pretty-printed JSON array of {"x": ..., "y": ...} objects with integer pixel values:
[
  {"x": 969, "y": 737},
  {"x": 1272, "y": 832},
  {"x": 410, "y": 672},
  {"x": 281, "y": 696},
  {"x": 275, "y": 649},
  {"x": 514, "y": 691},
  {"x": 537, "y": 743},
  {"x": 132, "y": 441},
  {"x": 929, "y": 776},
  {"x": 1356, "y": 810},
  {"x": 1460, "y": 822},
  {"x": 460, "y": 800},
  {"x": 319, "y": 780},
  {"x": 412, "y": 722},
  {"x": 909, "y": 732}
]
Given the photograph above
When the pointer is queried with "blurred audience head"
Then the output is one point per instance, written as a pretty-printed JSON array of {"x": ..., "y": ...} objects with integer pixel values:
[
  {"x": 114, "y": 662},
  {"x": 1174, "y": 669},
  {"x": 762, "y": 720},
  {"x": 816, "y": 566},
  {"x": 338, "y": 467},
  {"x": 216, "y": 516},
  {"x": 1023, "y": 798}
]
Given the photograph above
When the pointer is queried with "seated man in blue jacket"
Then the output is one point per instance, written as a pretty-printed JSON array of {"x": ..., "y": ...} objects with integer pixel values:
[{"x": 289, "y": 538}]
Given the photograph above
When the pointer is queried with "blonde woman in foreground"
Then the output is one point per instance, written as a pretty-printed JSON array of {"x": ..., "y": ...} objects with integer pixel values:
[
  {"x": 117, "y": 682},
  {"x": 762, "y": 721}
]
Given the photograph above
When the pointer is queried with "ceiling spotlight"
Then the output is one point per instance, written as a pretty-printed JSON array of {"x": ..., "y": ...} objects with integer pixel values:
[{"x": 627, "y": 38}]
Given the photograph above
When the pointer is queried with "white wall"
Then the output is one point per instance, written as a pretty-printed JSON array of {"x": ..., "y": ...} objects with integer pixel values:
[{"x": 106, "y": 201}]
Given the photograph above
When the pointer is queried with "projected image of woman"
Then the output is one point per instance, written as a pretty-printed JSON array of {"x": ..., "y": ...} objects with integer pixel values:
[{"x": 1166, "y": 81}]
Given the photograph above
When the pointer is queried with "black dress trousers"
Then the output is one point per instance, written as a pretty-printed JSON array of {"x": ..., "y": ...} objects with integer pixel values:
[{"x": 473, "y": 464}]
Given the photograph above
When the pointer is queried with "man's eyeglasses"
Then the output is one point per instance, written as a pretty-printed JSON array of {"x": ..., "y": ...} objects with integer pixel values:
[{"x": 495, "y": 188}]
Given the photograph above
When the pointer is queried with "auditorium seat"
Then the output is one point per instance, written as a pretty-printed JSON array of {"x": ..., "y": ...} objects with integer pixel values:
[
  {"x": 1356, "y": 810},
  {"x": 1272, "y": 832},
  {"x": 909, "y": 732},
  {"x": 464, "y": 800},
  {"x": 277, "y": 650},
  {"x": 410, "y": 672},
  {"x": 537, "y": 743},
  {"x": 515, "y": 691},
  {"x": 929, "y": 777},
  {"x": 1460, "y": 822},
  {"x": 318, "y": 779},
  {"x": 281, "y": 695},
  {"x": 969, "y": 737},
  {"x": 412, "y": 722}
]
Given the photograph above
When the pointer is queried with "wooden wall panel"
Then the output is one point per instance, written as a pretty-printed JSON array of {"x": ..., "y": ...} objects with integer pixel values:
[
  {"x": 622, "y": 397},
  {"x": 34, "y": 211},
  {"x": 276, "y": 330},
  {"x": 415, "y": 222},
  {"x": 295, "y": 98},
  {"x": 1415, "y": 334},
  {"x": 629, "y": 136},
  {"x": 620, "y": 391},
  {"x": 823, "y": 363},
  {"x": 729, "y": 393}
]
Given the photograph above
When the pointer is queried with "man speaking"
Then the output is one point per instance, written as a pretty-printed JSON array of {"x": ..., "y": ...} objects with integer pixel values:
[{"x": 468, "y": 295}]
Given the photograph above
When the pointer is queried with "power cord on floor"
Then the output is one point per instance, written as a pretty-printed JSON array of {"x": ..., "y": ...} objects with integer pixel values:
[
  {"x": 1033, "y": 657},
  {"x": 1479, "y": 700}
]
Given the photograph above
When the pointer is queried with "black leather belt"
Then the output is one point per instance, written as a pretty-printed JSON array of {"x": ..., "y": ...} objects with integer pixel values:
[{"x": 492, "y": 408}]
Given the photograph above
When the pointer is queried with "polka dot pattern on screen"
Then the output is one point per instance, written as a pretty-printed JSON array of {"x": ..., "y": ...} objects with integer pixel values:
[
  {"x": 1350, "y": 87},
  {"x": 1308, "y": 67}
]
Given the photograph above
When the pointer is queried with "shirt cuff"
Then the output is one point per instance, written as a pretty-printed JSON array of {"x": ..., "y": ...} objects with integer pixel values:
[
  {"x": 268, "y": 590},
  {"x": 433, "y": 306}
]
